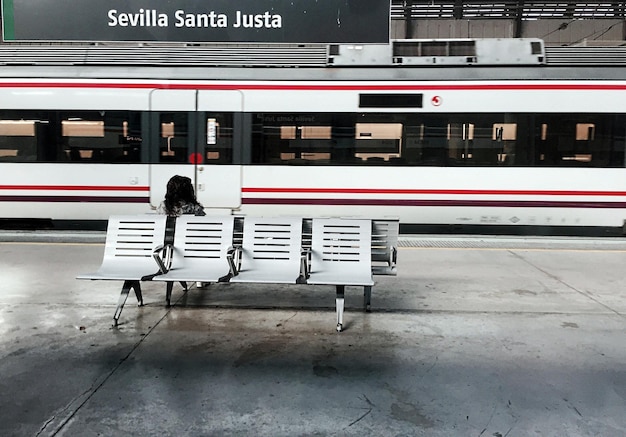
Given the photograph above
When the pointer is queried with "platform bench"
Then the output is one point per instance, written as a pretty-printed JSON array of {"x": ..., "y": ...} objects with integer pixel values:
[
  {"x": 287, "y": 250},
  {"x": 128, "y": 254}
]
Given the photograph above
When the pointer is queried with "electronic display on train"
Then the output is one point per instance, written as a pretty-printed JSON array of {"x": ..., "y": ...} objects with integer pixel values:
[{"x": 262, "y": 21}]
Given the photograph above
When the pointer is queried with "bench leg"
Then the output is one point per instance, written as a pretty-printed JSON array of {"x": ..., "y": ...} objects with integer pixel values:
[
  {"x": 367, "y": 298},
  {"x": 137, "y": 287},
  {"x": 124, "y": 295},
  {"x": 339, "y": 301},
  {"x": 168, "y": 293}
]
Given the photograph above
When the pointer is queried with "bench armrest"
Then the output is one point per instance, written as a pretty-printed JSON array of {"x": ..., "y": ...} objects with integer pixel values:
[
  {"x": 233, "y": 255},
  {"x": 393, "y": 256},
  {"x": 305, "y": 263},
  {"x": 163, "y": 257}
]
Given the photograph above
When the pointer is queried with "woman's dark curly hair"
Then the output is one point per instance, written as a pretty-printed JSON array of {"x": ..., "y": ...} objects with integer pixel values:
[{"x": 179, "y": 192}]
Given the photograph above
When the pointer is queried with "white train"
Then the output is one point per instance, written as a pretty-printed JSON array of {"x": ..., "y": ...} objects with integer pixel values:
[{"x": 425, "y": 131}]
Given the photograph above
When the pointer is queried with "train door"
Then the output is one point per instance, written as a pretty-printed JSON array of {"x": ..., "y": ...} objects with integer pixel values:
[
  {"x": 192, "y": 139},
  {"x": 218, "y": 138}
]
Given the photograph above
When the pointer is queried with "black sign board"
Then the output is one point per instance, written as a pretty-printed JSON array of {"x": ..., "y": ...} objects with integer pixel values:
[{"x": 255, "y": 21}]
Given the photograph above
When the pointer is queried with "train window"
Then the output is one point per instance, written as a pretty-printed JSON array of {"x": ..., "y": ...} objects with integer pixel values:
[
  {"x": 99, "y": 136},
  {"x": 419, "y": 139},
  {"x": 173, "y": 137},
  {"x": 186, "y": 137},
  {"x": 589, "y": 140},
  {"x": 304, "y": 133},
  {"x": 78, "y": 134},
  {"x": 292, "y": 139},
  {"x": 70, "y": 136},
  {"x": 17, "y": 140},
  {"x": 218, "y": 135},
  {"x": 326, "y": 138},
  {"x": 378, "y": 141}
]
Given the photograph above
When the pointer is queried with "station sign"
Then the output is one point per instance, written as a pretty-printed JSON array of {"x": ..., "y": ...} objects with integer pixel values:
[{"x": 220, "y": 21}]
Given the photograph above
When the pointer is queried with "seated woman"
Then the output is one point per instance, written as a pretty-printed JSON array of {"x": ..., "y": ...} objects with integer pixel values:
[{"x": 180, "y": 198}]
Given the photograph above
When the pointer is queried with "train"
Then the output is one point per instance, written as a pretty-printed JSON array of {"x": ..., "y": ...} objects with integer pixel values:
[{"x": 438, "y": 133}]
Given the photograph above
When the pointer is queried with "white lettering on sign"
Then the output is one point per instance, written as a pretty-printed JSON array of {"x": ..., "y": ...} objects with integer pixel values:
[
  {"x": 154, "y": 18},
  {"x": 142, "y": 18},
  {"x": 200, "y": 20},
  {"x": 266, "y": 20}
]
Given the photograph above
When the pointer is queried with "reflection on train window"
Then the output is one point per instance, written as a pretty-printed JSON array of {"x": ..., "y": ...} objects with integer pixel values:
[
  {"x": 499, "y": 139},
  {"x": 587, "y": 140},
  {"x": 102, "y": 136},
  {"x": 364, "y": 138},
  {"x": 17, "y": 140},
  {"x": 202, "y": 138},
  {"x": 218, "y": 138},
  {"x": 71, "y": 136},
  {"x": 585, "y": 131},
  {"x": 80, "y": 135},
  {"x": 173, "y": 137},
  {"x": 325, "y": 139},
  {"x": 377, "y": 142}
]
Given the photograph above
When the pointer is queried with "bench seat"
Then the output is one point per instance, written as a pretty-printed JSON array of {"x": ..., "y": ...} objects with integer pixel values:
[
  {"x": 271, "y": 251},
  {"x": 200, "y": 253},
  {"x": 130, "y": 244},
  {"x": 341, "y": 256}
]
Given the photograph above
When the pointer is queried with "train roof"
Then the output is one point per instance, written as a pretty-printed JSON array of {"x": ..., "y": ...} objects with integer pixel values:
[{"x": 441, "y": 59}]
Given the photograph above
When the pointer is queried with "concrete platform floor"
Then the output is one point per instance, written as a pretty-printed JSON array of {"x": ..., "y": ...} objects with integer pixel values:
[{"x": 504, "y": 338}]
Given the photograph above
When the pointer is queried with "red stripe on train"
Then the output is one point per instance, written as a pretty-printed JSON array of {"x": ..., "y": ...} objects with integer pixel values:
[
  {"x": 74, "y": 188},
  {"x": 76, "y": 199},
  {"x": 435, "y": 202},
  {"x": 326, "y": 87},
  {"x": 432, "y": 191}
]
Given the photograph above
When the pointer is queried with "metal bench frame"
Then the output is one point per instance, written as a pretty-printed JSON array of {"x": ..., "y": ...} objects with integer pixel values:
[
  {"x": 385, "y": 232},
  {"x": 287, "y": 250},
  {"x": 128, "y": 254}
]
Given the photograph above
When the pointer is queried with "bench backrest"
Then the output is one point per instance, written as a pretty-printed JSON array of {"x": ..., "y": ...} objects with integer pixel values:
[
  {"x": 271, "y": 244},
  {"x": 200, "y": 240},
  {"x": 341, "y": 246},
  {"x": 131, "y": 240},
  {"x": 384, "y": 245}
]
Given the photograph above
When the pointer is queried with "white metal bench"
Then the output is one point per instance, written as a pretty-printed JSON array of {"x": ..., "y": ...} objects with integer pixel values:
[
  {"x": 286, "y": 250},
  {"x": 200, "y": 252},
  {"x": 130, "y": 243},
  {"x": 341, "y": 255},
  {"x": 271, "y": 251}
]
